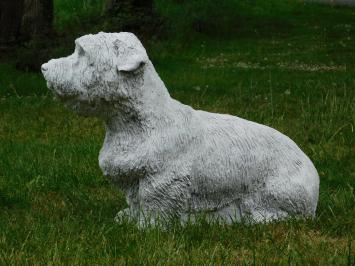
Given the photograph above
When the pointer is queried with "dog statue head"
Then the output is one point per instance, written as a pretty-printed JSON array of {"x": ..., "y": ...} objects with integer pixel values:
[{"x": 105, "y": 69}]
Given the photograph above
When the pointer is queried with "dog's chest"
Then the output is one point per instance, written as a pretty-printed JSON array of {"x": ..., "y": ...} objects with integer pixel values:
[{"x": 121, "y": 158}]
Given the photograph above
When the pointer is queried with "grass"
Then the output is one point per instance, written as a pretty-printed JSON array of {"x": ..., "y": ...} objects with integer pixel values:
[
  {"x": 56, "y": 207},
  {"x": 69, "y": 12}
]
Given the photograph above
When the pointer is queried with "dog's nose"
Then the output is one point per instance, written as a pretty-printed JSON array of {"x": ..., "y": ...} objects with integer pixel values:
[{"x": 44, "y": 67}]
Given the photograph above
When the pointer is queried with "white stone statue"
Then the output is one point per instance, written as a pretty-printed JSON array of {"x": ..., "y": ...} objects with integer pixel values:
[{"x": 171, "y": 160}]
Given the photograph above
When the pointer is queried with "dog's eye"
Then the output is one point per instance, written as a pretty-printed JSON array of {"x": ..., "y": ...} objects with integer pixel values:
[{"x": 80, "y": 50}]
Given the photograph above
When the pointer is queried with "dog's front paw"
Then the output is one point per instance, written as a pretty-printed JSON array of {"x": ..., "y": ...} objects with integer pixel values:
[{"x": 123, "y": 216}]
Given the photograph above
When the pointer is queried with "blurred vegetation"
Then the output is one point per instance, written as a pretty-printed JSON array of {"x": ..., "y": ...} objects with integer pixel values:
[
  {"x": 228, "y": 17},
  {"x": 287, "y": 64},
  {"x": 180, "y": 21},
  {"x": 69, "y": 13}
]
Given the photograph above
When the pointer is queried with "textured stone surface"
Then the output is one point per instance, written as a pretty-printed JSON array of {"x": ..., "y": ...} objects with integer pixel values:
[{"x": 172, "y": 160}]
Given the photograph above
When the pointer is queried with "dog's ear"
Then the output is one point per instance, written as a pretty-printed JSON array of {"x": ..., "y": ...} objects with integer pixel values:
[{"x": 131, "y": 63}]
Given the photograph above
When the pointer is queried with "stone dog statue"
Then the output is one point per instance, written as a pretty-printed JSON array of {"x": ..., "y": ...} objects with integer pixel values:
[{"x": 169, "y": 159}]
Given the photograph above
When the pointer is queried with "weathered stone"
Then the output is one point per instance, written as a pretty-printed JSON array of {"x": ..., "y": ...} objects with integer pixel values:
[{"x": 172, "y": 160}]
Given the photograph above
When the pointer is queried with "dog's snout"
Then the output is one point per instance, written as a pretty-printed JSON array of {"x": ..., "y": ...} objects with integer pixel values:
[{"x": 44, "y": 67}]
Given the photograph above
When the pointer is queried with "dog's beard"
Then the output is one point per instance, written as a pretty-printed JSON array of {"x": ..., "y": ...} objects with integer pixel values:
[{"x": 88, "y": 108}]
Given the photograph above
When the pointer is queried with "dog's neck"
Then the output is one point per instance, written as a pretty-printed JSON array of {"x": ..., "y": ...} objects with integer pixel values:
[{"x": 140, "y": 113}]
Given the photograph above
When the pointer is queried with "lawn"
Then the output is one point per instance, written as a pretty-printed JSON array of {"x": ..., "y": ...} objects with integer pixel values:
[{"x": 294, "y": 71}]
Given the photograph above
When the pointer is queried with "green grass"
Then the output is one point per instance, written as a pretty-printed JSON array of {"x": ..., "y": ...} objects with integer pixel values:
[
  {"x": 15, "y": 83},
  {"x": 69, "y": 12},
  {"x": 57, "y": 208}
]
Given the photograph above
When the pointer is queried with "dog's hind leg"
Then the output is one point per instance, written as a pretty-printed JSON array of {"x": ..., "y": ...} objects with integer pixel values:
[{"x": 277, "y": 202}]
